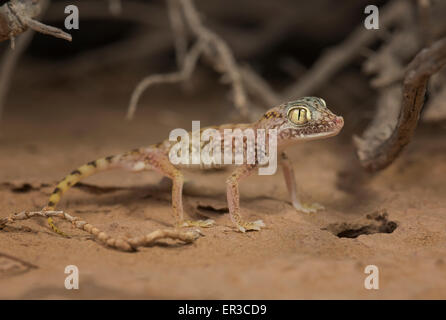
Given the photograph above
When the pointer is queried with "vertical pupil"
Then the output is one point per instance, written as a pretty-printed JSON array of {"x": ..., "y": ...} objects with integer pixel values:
[{"x": 299, "y": 115}]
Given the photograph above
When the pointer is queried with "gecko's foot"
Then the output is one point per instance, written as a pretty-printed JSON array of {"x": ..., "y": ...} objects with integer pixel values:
[
  {"x": 197, "y": 223},
  {"x": 309, "y": 208},
  {"x": 55, "y": 228},
  {"x": 251, "y": 226}
]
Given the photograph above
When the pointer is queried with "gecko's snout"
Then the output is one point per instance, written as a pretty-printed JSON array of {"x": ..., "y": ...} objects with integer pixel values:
[{"x": 339, "y": 121}]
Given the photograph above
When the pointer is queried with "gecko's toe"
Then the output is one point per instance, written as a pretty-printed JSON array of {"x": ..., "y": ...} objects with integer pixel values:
[
  {"x": 251, "y": 226},
  {"x": 309, "y": 208},
  {"x": 195, "y": 234},
  {"x": 197, "y": 223}
]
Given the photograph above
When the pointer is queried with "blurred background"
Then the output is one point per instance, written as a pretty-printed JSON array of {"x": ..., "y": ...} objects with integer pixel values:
[
  {"x": 281, "y": 41},
  {"x": 294, "y": 48}
]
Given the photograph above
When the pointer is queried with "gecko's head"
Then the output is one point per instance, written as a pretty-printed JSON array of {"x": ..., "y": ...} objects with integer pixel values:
[{"x": 305, "y": 119}]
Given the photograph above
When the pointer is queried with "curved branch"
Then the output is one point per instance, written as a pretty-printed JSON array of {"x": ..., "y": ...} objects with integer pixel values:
[
  {"x": 182, "y": 75},
  {"x": 338, "y": 57},
  {"x": 376, "y": 149},
  {"x": 120, "y": 243},
  {"x": 223, "y": 57},
  {"x": 16, "y": 16}
]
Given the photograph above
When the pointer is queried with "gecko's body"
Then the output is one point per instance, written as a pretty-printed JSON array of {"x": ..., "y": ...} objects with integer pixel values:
[{"x": 305, "y": 119}]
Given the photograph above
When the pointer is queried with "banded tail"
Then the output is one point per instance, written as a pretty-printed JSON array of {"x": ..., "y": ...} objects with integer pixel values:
[{"x": 74, "y": 177}]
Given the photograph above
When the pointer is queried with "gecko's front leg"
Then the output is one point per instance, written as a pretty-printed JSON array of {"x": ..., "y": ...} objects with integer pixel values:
[
  {"x": 288, "y": 172},
  {"x": 233, "y": 196}
]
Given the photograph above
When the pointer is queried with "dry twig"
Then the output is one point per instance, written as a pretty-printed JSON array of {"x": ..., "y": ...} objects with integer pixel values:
[
  {"x": 175, "y": 77},
  {"x": 424, "y": 7},
  {"x": 215, "y": 49},
  {"x": 179, "y": 30},
  {"x": 123, "y": 244},
  {"x": 336, "y": 58},
  {"x": 256, "y": 85},
  {"x": 380, "y": 145},
  {"x": 223, "y": 59},
  {"x": 18, "y": 14}
]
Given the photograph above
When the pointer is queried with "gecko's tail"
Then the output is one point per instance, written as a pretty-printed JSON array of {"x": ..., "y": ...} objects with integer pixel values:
[{"x": 74, "y": 177}]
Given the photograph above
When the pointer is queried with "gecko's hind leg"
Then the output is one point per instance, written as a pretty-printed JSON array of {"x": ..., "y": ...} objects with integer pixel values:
[
  {"x": 288, "y": 172},
  {"x": 177, "y": 203},
  {"x": 162, "y": 164}
]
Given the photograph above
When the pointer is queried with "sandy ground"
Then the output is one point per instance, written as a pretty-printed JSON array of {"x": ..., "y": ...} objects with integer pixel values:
[{"x": 297, "y": 256}]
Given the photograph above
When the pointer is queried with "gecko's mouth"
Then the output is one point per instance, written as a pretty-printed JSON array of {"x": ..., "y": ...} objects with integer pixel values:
[
  {"x": 337, "y": 124},
  {"x": 327, "y": 130}
]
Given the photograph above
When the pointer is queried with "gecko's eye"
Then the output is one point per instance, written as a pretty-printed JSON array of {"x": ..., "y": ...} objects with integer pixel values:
[{"x": 299, "y": 115}]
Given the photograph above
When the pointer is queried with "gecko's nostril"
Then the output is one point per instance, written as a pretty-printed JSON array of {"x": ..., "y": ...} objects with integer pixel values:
[{"x": 339, "y": 121}]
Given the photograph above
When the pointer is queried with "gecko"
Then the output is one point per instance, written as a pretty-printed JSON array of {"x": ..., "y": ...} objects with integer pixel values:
[{"x": 305, "y": 119}]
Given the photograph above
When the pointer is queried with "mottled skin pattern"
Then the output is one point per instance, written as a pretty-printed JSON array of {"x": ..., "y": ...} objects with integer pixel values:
[{"x": 302, "y": 120}]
